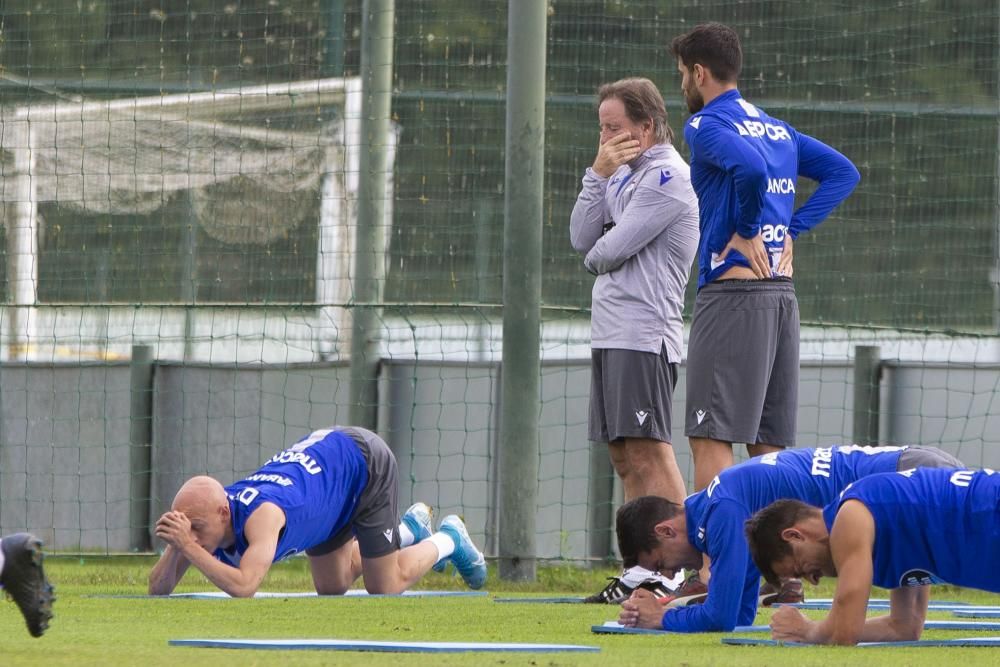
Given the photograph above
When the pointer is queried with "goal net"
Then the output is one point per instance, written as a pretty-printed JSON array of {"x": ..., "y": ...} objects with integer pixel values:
[{"x": 241, "y": 168}]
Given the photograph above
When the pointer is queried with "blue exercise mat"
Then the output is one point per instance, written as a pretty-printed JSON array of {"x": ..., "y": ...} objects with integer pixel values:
[
  {"x": 353, "y": 593},
  {"x": 381, "y": 646},
  {"x": 965, "y": 641},
  {"x": 550, "y": 600},
  {"x": 879, "y": 605},
  {"x": 615, "y": 628},
  {"x": 878, "y": 601},
  {"x": 976, "y": 613}
]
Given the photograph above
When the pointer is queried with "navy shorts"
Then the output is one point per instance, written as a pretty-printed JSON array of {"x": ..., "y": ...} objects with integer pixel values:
[
  {"x": 631, "y": 394},
  {"x": 743, "y": 363},
  {"x": 375, "y": 521}
]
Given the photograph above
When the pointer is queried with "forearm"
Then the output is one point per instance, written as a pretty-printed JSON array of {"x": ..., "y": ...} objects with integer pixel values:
[
  {"x": 889, "y": 629},
  {"x": 163, "y": 578},
  {"x": 623, "y": 242},
  {"x": 234, "y": 581},
  {"x": 830, "y": 631},
  {"x": 823, "y": 201},
  {"x": 586, "y": 224},
  {"x": 725, "y": 607},
  {"x": 845, "y": 625},
  {"x": 652, "y": 211},
  {"x": 905, "y": 622},
  {"x": 696, "y": 618},
  {"x": 837, "y": 178}
]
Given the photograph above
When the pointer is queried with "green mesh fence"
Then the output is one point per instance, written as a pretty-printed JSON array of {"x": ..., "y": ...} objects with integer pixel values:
[{"x": 183, "y": 176}]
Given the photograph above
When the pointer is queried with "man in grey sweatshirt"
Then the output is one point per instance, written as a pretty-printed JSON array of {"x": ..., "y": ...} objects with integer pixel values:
[{"x": 636, "y": 224}]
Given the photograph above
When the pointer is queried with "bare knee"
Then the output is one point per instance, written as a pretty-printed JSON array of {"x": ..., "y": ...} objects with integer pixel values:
[
  {"x": 648, "y": 455},
  {"x": 331, "y": 588},
  {"x": 384, "y": 587},
  {"x": 332, "y": 583}
]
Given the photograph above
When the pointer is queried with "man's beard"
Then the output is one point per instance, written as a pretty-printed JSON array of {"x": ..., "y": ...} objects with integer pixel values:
[{"x": 695, "y": 102}]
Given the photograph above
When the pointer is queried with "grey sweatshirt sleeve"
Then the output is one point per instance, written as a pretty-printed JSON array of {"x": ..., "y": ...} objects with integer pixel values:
[
  {"x": 653, "y": 207},
  {"x": 590, "y": 213}
]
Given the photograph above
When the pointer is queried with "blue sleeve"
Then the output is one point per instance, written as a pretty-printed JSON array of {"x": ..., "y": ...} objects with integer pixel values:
[
  {"x": 721, "y": 146},
  {"x": 837, "y": 178},
  {"x": 734, "y": 582}
]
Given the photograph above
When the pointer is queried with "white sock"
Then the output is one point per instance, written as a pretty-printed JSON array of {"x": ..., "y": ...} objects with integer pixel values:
[
  {"x": 445, "y": 545},
  {"x": 1, "y": 558},
  {"x": 406, "y": 537}
]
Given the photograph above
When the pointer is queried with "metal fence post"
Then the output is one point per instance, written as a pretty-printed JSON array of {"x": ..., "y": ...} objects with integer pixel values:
[
  {"x": 867, "y": 380},
  {"x": 140, "y": 446}
]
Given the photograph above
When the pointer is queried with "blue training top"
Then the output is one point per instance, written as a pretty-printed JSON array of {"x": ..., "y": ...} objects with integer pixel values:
[
  {"x": 316, "y": 482},
  {"x": 744, "y": 169},
  {"x": 932, "y": 526},
  {"x": 715, "y": 518}
]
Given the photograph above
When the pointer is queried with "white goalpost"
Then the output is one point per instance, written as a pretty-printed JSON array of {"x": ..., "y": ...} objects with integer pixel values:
[{"x": 247, "y": 180}]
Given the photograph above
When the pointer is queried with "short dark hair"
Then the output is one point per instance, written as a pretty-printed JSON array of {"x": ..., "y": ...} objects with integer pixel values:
[
  {"x": 643, "y": 101},
  {"x": 712, "y": 45},
  {"x": 635, "y": 523},
  {"x": 763, "y": 532}
]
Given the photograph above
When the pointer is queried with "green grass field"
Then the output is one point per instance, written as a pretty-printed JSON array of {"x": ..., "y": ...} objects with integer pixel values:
[{"x": 90, "y": 630}]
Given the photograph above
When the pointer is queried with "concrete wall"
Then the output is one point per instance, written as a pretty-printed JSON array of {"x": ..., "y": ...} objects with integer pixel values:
[
  {"x": 64, "y": 453},
  {"x": 64, "y": 436}
]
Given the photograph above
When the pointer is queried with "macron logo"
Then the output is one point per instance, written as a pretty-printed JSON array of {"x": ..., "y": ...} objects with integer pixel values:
[
  {"x": 641, "y": 415},
  {"x": 388, "y": 535},
  {"x": 664, "y": 176},
  {"x": 695, "y": 122},
  {"x": 700, "y": 415}
]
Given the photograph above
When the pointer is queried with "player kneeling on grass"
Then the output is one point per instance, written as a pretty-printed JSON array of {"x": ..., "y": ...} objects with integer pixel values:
[
  {"x": 22, "y": 577},
  {"x": 317, "y": 496},
  {"x": 663, "y": 536},
  {"x": 903, "y": 531}
]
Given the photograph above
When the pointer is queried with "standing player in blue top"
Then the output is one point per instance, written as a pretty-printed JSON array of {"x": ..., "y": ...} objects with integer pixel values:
[
  {"x": 331, "y": 495},
  {"x": 663, "y": 536},
  {"x": 903, "y": 531},
  {"x": 743, "y": 350}
]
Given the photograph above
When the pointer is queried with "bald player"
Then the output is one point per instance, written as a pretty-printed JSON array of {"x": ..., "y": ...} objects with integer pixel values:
[{"x": 331, "y": 495}]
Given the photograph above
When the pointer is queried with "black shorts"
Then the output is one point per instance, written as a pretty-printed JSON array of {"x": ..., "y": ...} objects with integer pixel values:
[
  {"x": 743, "y": 363},
  {"x": 926, "y": 457},
  {"x": 631, "y": 394},
  {"x": 375, "y": 521}
]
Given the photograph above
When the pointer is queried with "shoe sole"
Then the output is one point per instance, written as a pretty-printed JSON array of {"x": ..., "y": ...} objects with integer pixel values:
[
  {"x": 771, "y": 600},
  {"x": 47, "y": 592},
  {"x": 44, "y": 592},
  {"x": 685, "y": 601}
]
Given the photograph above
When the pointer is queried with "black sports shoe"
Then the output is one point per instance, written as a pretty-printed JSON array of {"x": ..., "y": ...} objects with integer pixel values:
[
  {"x": 617, "y": 592},
  {"x": 23, "y": 579}
]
